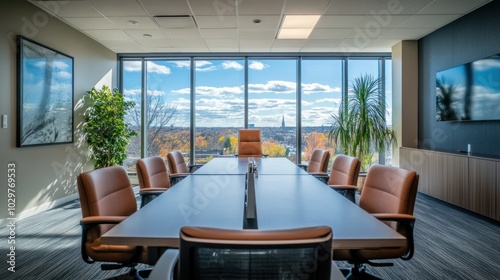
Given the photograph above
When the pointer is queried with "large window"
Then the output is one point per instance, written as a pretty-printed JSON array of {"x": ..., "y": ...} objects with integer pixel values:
[
  {"x": 220, "y": 106},
  {"x": 321, "y": 92},
  {"x": 198, "y": 104},
  {"x": 272, "y": 103}
]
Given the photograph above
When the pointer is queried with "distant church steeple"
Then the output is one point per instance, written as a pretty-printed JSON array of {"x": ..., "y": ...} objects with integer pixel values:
[{"x": 283, "y": 122}]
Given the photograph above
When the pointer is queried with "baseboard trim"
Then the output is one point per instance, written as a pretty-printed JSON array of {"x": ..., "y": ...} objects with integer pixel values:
[{"x": 41, "y": 208}]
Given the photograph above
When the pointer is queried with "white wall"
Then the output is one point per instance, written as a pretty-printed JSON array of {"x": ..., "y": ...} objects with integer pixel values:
[{"x": 45, "y": 175}]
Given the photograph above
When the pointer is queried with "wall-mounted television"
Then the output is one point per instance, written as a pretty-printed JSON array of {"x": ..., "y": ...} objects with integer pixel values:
[{"x": 469, "y": 92}]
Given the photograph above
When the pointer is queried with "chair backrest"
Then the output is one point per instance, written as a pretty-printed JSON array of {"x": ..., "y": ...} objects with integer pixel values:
[
  {"x": 176, "y": 163},
  {"x": 207, "y": 253},
  {"x": 105, "y": 193},
  {"x": 319, "y": 161},
  {"x": 389, "y": 189},
  {"x": 345, "y": 170},
  {"x": 249, "y": 143},
  {"x": 152, "y": 173}
]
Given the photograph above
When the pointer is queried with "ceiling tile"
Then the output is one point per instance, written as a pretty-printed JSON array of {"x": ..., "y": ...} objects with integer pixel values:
[
  {"x": 316, "y": 49},
  {"x": 224, "y": 49},
  {"x": 255, "y": 43},
  {"x": 216, "y": 22},
  {"x": 221, "y": 43},
  {"x": 285, "y": 49},
  {"x": 406, "y": 33},
  {"x": 357, "y": 7},
  {"x": 322, "y": 43},
  {"x": 255, "y": 7},
  {"x": 118, "y": 8},
  {"x": 332, "y": 33},
  {"x": 188, "y": 43},
  {"x": 301, "y": 7},
  {"x": 443, "y": 7},
  {"x": 219, "y": 33},
  {"x": 289, "y": 43},
  {"x": 90, "y": 23},
  {"x": 173, "y": 7},
  {"x": 266, "y": 22},
  {"x": 183, "y": 33},
  {"x": 155, "y": 43},
  {"x": 138, "y": 34},
  {"x": 427, "y": 21},
  {"x": 107, "y": 34},
  {"x": 219, "y": 8},
  {"x": 68, "y": 8},
  {"x": 400, "y": 7},
  {"x": 339, "y": 21},
  {"x": 133, "y": 22},
  {"x": 257, "y": 34}
]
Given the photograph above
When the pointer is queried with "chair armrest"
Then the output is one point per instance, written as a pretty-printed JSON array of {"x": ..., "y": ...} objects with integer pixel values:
[
  {"x": 343, "y": 187},
  {"x": 194, "y": 167},
  {"x": 152, "y": 191},
  {"x": 303, "y": 166},
  {"x": 322, "y": 176},
  {"x": 89, "y": 222},
  {"x": 165, "y": 266},
  {"x": 98, "y": 220},
  {"x": 407, "y": 222},
  {"x": 394, "y": 217},
  {"x": 177, "y": 177}
]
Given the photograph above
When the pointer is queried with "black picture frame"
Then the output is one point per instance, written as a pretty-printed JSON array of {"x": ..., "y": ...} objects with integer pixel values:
[{"x": 45, "y": 95}]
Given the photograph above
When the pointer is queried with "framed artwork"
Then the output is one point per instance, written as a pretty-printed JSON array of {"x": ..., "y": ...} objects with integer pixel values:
[{"x": 44, "y": 95}]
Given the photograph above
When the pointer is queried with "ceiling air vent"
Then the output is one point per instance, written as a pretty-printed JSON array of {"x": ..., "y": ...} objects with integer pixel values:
[{"x": 178, "y": 21}]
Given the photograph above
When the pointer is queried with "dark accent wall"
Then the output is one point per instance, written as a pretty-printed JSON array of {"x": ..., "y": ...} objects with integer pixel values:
[{"x": 472, "y": 37}]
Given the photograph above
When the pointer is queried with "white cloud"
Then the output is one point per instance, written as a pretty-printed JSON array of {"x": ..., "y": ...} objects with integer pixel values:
[
  {"x": 136, "y": 66},
  {"x": 218, "y": 91},
  {"x": 156, "y": 92},
  {"x": 273, "y": 86},
  {"x": 255, "y": 65},
  {"x": 132, "y": 66},
  {"x": 64, "y": 75},
  {"x": 315, "y": 88},
  {"x": 232, "y": 65},
  {"x": 329, "y": 100},
  {"x": 158, "y": 69},
  {"x": 132, "y": 91}
]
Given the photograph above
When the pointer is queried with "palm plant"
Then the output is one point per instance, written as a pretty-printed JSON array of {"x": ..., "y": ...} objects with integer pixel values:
[{"x": 360, "y": 128}]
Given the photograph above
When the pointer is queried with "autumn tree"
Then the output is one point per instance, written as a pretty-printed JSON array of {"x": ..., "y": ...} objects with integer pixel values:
[{"x": 273, "y": 149}]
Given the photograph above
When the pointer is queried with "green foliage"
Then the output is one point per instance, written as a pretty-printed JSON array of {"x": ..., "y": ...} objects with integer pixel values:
[
  {"x": 360, "y": 127},
  {"x": 105, "y": 129}
]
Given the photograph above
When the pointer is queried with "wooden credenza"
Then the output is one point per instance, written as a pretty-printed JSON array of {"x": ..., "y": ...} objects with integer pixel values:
[{"x": 464, "y": 180}]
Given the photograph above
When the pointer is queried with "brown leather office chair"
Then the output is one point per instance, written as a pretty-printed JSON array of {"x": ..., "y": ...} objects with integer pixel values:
[
  {"x": 209, "y": 253},
  {"x": 178, "y": 167},
  {"x": 249, "y": 143},
  {"x": 153, "y": 178},
  {"x": 344, "y": 175},
  {"x": 106, "y": 199},
  {"x": 318, "y": 162},
  {"x": 389, "y": 194}
]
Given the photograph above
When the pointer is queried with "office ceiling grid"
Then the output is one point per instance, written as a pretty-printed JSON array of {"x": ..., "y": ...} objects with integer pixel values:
[{"x": 131, "y": 26}]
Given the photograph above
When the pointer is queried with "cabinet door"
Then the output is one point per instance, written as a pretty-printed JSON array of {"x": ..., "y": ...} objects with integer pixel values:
[
  {"x": 438, "y": 184},
  {"x": 457, "y": 180},
  {"x": 482, "y": 186},
  {"x": 418, "y": 160},
  {"x": 497, "y": 204}
]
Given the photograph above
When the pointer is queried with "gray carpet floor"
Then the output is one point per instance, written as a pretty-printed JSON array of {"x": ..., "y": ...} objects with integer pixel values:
[{"x": 450, "y": 244}]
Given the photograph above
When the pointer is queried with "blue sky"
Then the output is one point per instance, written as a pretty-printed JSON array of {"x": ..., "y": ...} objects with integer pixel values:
[{"x": 219, "y": 88}]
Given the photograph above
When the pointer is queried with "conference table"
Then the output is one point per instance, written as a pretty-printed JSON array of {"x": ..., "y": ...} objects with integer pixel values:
[{"x": 286, "y": 197}]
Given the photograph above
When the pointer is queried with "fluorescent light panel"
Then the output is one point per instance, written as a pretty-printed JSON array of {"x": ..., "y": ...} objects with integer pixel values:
[{"x": 297, "y": 26}]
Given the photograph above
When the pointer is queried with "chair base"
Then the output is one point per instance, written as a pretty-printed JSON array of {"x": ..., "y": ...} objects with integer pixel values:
[{"x": 358, "y": 273}]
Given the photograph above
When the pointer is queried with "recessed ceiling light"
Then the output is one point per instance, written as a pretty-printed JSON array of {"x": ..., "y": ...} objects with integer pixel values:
[
  {"x": 146, "y": 35},
  {"x": 257, "y": 21},
  {"x": 297, "y": 26},
  {"x": 133, "y": 22}
]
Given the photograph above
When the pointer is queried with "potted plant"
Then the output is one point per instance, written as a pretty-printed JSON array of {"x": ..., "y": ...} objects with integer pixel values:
[
  {"x": 106, "y": 132},
  {"x": 360, "y": 128}
]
